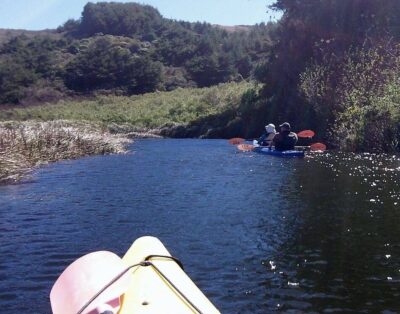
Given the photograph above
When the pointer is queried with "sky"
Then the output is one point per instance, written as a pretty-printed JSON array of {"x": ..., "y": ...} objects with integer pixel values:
[{"x": 42, "y": 14}]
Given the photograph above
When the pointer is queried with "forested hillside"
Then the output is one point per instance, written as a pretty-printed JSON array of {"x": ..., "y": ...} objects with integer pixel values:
[{"x": 125, "y": 49}]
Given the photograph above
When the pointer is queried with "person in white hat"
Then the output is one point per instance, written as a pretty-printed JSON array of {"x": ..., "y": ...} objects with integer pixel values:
[{"x": 268, "y": 135}]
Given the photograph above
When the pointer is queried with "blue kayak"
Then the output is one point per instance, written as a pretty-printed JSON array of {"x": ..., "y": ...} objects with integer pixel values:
[{"x": 273, "y": 152}]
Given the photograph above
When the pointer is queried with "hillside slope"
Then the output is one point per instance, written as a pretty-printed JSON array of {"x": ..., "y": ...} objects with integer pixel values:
[{"x": 124, "y": 49}]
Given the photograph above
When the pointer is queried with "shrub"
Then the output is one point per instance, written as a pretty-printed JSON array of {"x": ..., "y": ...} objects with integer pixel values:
[{"x": 356, "y": 95}]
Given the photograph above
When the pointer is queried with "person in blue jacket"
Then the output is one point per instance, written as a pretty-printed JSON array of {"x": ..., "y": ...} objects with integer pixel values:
[
  {"x": 268, "y": 135},
  {"x": 285, "y": 139}
]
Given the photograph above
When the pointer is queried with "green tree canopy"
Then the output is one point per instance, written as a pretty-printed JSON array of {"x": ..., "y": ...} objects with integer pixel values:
[
  {"x": 108, "y": 63},
  {"x": 124, "y": 19}
]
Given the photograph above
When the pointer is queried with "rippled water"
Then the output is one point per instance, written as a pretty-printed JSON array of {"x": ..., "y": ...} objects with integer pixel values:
[{"x": 256, "y": 233}]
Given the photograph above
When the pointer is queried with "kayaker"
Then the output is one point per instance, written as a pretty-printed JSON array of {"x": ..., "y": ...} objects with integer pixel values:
[
  {"x": 268, "y": 135},
  {"x": 285, "y": 139}
]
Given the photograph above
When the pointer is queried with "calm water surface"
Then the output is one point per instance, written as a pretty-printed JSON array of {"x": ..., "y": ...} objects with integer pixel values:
[{"x": 256, "y": 233}]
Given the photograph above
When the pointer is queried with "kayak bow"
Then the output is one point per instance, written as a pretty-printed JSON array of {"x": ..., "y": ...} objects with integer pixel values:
[
  {"x": 146, "y": 280},
  {"x": 150, "y": 292}
]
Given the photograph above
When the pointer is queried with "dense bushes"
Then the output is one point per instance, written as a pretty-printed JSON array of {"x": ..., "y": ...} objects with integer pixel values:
[
  {"x": 128, "y": 48},
  {"x": 356, "y": 95},
  {"x": 24, "y": 61},
  {"x": 122, "y": 19},
  {"x": 333, "y": 67},
  {"x": 108, "y": 63}
]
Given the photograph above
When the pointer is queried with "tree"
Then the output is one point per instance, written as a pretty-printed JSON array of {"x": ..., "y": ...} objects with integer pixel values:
[
  {"x": 108, "y": 64},
  {"x": 309, "y": 31},
  {"x": 13, "y": 78},
  {"x": 125, "y": 19}
]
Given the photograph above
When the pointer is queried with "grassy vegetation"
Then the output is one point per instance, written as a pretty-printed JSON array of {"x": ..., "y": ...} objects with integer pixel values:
[
  {"x": 153, "y": 110},
  {"x": 31, "y": 136},
  {"x": 25, "y": 145}
]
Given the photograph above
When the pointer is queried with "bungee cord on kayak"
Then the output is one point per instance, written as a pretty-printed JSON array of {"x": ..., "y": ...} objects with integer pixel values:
[
  {"x": 84, "y": 307},
  {"x": 146, "y": 279},
  {"x": 145, "y": 263},
  {"x": 176, "y": 260},
  {"x": 174, "y": 286}
]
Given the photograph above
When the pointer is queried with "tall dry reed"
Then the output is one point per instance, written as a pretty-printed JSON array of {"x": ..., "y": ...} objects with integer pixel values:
[{"x": 25, "y": 145}]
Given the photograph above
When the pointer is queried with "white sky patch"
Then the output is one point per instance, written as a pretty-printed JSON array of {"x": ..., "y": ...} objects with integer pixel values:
[
  {"x": 25, "y": 13},
  {"x": 42, "y": 11},
  {"x": 41, "y": 14}
]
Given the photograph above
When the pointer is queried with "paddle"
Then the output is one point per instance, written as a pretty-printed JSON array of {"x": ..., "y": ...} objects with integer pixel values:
[
  {"x": 301, "y": 134},
  {"x": 245, "y": 147},
  {"x": 315, "y": 147},
  {"x": 306, "y": 134},
  {"x": 236, "y": 140},
  {"x": 318, "y": 147},
  {"x": 76, "y": 289}
]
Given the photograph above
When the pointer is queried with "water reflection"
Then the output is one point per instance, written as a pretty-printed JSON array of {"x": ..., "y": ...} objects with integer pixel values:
[
  {"x": 256, "y": 233},
  {"x": 341, "y": 237}
]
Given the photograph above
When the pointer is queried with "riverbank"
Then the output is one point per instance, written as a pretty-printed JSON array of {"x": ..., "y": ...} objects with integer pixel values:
[{"x": 29, "y": 144}]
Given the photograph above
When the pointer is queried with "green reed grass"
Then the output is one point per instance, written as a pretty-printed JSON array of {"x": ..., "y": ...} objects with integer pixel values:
[{"x": 152, "y": 110}]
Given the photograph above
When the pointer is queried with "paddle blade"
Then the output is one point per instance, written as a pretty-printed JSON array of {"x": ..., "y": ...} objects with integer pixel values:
[
  {"x": 245, "y": 147},
  {"x": 81, "y": 280},
  {"x": 236, "y": 141},
  {"x": 318, "y": 147},
  {"x": 306, "y": 134}
]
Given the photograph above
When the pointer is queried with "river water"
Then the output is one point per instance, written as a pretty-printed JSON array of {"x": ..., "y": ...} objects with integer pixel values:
[{"x": 256, "y": 233}]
